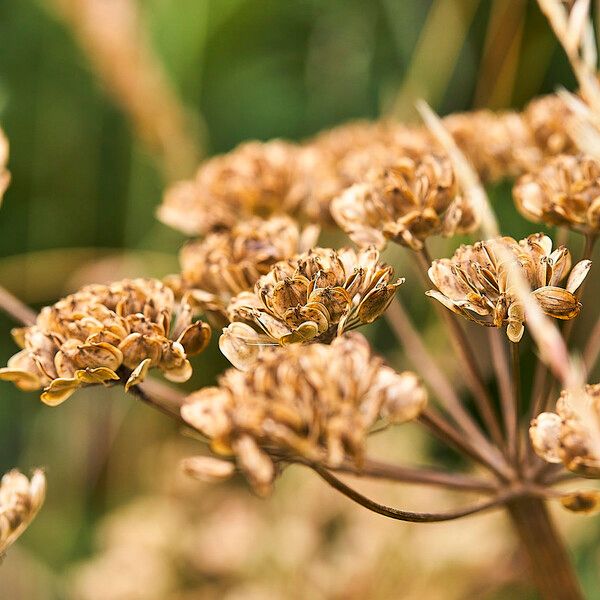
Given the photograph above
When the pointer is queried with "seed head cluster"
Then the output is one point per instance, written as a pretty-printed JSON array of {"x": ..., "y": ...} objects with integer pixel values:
[
  {"x": 315, "y": 403},
  {"x": 103, "y": 334}
]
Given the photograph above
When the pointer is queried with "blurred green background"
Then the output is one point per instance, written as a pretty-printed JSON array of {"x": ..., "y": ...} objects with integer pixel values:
[{"x": 84, "y": 187}]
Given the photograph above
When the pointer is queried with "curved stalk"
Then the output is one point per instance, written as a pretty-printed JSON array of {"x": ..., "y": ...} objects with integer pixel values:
[{"x": 404, "y": 515}]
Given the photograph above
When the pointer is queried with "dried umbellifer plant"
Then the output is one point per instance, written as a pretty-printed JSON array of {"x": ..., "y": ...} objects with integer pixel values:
[{"x": 305, "y": 388}]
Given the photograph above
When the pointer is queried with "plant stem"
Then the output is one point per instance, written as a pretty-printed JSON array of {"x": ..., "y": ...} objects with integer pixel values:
[
  {"x": 427, "y": 367},
  {"x": 16, "y": 309},
  {"x": 503, "y": 378},
  {"x": 472, "y": 374},
  {"x": 513, "y": 417},
  {"x": 550, "y": 565},
  {"x": 452, "y": 437},
  {"x": 404, "y": 515},
  {"x": 418, "y": 475}
]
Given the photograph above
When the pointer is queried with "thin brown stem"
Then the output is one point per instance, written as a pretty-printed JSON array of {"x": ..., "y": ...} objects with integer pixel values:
[
  {"x": 427, "y": 367},
  {"x": 592, "y": 348},
  {"x": 513, "y": 417},
  {"x": 453, "y": 438},
  {"x": 550, "y": 565},
  {"x": 404, "y": 515},
  {"x": 140, "y": 391},
  {"x": 507, "y": 400},
  {"x": 16, "y": 309},
  {"x": 418, "y": 475},
  {"x": 471, "y": 372}
]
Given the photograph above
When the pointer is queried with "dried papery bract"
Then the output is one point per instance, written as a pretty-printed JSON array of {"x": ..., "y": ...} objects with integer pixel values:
[
  {"x": 254, "y": 179},
  {"x": 564, "y": 191},
  {"x": 226, "y": 263},
  {"x": 477, "y": 282},
  {"x": 313, "y": 403},
  {"x": 571, "y": 435},
  {"x": 20, "y": 501},
  {"x": 312, "y": 297},
  {"x": 4, "y": 172},
  {"x": 103, "y": 333},
  {"x": 405, "y": 203},
  {"x": 112, "y": 34}
]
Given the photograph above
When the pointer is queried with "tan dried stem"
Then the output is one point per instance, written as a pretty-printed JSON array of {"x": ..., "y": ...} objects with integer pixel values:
[
  {"x": 413, "y": 517},
  {"x": 114, "y": 38}
]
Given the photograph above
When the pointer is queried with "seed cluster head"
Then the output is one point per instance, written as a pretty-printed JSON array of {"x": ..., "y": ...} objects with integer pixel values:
[
  {"x": 547, "y": 118},
  {"x": 405, "y": 203},
  {"x": 315, "y": 403},
  {"x": 257, "y": 178},
  {"x": 103, "y": 333},
  {"x": 564, "y": 191},
  {"x": 476, "y": 282},
  {"x": 498, "y": 145},
  {"x": 312, "y": 297},
  {"x": 565, "y": 437},
  {"x": 226, "y": 263},
  {"x": 20, "y": 501}
]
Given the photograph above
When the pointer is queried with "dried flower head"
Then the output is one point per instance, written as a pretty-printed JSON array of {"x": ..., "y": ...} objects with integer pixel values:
[
  {"x": 498, "y": 145},
  {"x": 547, "y": 118},
  {"x": 406, "y": 203},
  {"x": 102, "y": 333},
  {"x": 315, "y": 403},
  {"x": 255, "y": 178},
  {"x": 564, "y": 191},
  {"x": 312, "y": 297},
  {"x": 20, "y": 501},
  {"x": 476, "y": 281},
  {"x": 228, "y": 262},
  {"x": 563, "y": 437}
]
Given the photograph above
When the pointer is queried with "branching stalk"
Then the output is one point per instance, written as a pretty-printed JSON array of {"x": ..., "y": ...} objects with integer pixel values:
[{"x": 404, "y": 515}]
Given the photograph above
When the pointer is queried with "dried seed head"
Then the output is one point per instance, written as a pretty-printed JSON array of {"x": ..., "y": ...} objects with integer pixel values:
[
  {"x": 254, "y": 179},
  {"x": 406, "y": 203},
  {"x": 547, "y": 118},
  {"x": 310, "y": 298},
  {"x": 20, "y": 500},
  {"x": 564, "y": 191},
  {"x": 498, "y": 145},
  {"x": 476, "y": 282},
  {"x": 226, "y": 263},
  {"x": 103, "y": 331},
  {"x": 314, "y": 403},
  {"x": 564, "y": 436}
]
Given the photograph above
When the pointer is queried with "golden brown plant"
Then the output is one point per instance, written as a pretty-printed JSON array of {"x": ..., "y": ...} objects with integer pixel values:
[
  {"x": 406, "y": 203},
  {"x": 476, "y": 282},
  {"x": 569, "y": 435},
  {"x": 312, "y": 297},
  {"x": 564, "y": 191},
  {"x": 314, "y": 403},
  {"x": 20, "y": 501},
  {"x": 498, "y": 145},
  {"x": 226, "y": 263},
  {"x": 547, "y": 117},
  {"x": 103, "y": 334},
  {"x": 255, "y": 179}
]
